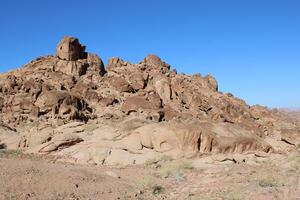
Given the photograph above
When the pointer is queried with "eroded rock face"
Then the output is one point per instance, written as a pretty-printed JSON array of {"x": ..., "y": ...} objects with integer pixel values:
[{"x": 70, "y": 105}]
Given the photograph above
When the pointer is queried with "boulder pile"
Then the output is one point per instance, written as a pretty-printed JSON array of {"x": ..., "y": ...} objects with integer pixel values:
[{"x": 71, "y": 105}]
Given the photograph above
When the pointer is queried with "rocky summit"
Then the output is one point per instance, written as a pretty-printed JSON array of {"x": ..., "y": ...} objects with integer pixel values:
[{"x": 71, "y": 106}]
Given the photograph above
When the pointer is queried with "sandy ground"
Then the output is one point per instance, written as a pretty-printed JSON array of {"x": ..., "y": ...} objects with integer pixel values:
[{"x": 28, "y": 177}]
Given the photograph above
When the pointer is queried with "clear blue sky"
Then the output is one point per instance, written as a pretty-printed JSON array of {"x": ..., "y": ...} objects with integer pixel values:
[{"x": 252, "y": 47}]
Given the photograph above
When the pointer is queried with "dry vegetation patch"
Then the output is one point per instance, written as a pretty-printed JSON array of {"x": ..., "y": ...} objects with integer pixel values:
[
  {"x": 9, "y": 153},
  {"x": 175, "y": 168}
]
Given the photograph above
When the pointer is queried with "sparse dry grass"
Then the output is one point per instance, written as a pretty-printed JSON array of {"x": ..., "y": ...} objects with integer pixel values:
[
  {"x": 146, "y": 182},
  {"x": 226, "y": 195},
  {"x": 294, "y": 160},
  {"x": 163, "y": 158},
  {"x": 90, "y": 127},
  {"x": 149, "y": 183},
  {"x": 202, "y": 198},
  {"x": 270, "y": 180},
  {"x": 151, "y": 161},
  {"x": 175, "y": 168},
  {"x": 166, "y": 158},
  {"x": 6, "y": 152},
  {"x": 235, "y": 195}
]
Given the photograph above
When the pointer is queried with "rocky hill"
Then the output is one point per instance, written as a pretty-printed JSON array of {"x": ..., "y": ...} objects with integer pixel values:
[{"x": 72, "y": 106}]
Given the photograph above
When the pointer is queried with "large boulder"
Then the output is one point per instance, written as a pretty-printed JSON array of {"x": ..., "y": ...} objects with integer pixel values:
[
  {"x": 191, "y": 137},
  {"x": 58, "y": 142},
  {"x": 177, "y": 139},
  {"x": 211, "y": 82},
  {"x": 137, "y": 81},
  {"x": 8, "y": 84},
  {"x": 135, "y": 103},
  {"x": 95, "y": 64},
  {"x": 74, "y": 61},
  {"x": 9, "y": 138},
  {"x": 156, "y": 62},
  {"x": 70, "y": 49},
  {"x": 62, "y": 105},
  {"x": 162, "y": 87},
  {"x": 120, "y": 84}
]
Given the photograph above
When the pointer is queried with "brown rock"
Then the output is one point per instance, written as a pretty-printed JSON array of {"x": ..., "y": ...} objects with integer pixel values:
[
  {"x": 1, "y": 103},
  {"x": 137, "y": 81},
  {"x": 162, "y": 87},
  {"x": 141, "y": 102},
  {"x": 62, "y": 104},
  {"x": 95, "y": 64},
  {"x": 201, "y": 103},
  {"x": 212, "y": 83},
  {"x": 59, "y": 142},
  {"x": 156, "y": 62},
  {"x": 8, "y": 84},
  {"x": 73, "y": 68},
  {"x": 107, "y": 101},
  {"x": 70, "y": 49},
  {"x": 120, "y": 84}
]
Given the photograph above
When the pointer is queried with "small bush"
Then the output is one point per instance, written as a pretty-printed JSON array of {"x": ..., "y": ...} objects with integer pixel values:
[
  {"x": 270, "y": 181},
  {"x": 157, "y": 190},
  {"x": 166, "y": 158},
  {"x": 151, "y": 161}
]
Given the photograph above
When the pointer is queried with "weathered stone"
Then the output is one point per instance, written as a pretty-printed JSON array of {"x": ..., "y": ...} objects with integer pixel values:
[
  {"x": 62, "y": 104},
  {"x": 120, "y": 84},
  {"x": 73, "y": 68},
  {"x": 212, "y": 83},
  {"x": 163, "y": 89},
  {"x": 70, "y": 49},
  {"x": 8, "y": 83},
  {"x": 135, "y": 103},
  {"x": 1, "y": 103},
  {"x": 59, "y": 142},
  {"x": 156, "y": 62},
  {"x": 95, "y": 64},
  {"x": 137, "y": 81}
]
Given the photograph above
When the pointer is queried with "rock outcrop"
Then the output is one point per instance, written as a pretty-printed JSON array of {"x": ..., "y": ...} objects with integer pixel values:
[
  {"x": 71, "y": 105},
  {"x": 70, "y": 49}
]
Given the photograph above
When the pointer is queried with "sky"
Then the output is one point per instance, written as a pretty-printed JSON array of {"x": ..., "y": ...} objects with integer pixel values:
[{"x": 252, "y": 47}]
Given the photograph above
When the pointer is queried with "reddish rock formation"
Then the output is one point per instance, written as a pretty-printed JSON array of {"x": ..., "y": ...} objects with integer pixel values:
[{"x": 142, "y": 108}]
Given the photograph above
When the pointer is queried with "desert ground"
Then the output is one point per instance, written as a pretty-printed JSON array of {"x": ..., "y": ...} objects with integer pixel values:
[{"x": 233, "y": 178}]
